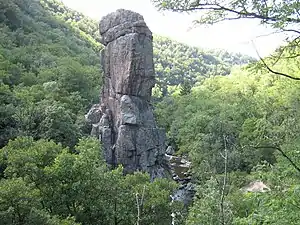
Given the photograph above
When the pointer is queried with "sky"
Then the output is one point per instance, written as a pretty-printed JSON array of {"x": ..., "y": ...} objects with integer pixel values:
[{"x": 233, "y": 36}]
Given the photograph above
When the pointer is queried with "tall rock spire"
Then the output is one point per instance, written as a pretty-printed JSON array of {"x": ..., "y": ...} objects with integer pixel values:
[{"x": 124, "y": 118}]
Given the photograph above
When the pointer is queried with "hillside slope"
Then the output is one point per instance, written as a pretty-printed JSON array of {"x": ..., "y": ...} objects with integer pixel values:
[
  {"x": 50, "y": 73},
  {"x": 50, "y": 70},
  {"x": 177, "y": 63}
]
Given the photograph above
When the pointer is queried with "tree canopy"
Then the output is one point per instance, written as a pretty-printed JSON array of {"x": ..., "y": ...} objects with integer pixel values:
[
  {"x": 253, "y": 115},
  {"x": 236, "y": 123},
  {"x": 283, "y": 16}
]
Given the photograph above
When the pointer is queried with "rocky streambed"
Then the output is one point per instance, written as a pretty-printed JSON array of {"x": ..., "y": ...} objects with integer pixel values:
[{"x": 180, "y": 167}]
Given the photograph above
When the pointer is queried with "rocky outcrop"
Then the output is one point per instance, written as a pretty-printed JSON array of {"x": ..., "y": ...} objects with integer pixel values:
[
  {"x": 124, "y": 118},
  {"x": 256, "y": 186}
]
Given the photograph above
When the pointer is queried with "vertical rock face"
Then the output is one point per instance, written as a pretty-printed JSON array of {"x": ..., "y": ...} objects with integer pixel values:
[{"x": 124, "y": 118}]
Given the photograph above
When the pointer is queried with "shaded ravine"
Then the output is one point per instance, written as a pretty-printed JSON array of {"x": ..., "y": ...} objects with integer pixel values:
[{"x": 180, "y": 167}]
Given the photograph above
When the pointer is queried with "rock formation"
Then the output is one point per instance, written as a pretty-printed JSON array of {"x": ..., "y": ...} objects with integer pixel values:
[
  {"x": 256, "y": 186},
  {"x": 124, "y": 118}
]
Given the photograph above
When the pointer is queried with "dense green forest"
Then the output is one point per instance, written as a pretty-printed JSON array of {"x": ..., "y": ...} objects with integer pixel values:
[
  {"x": 178, "y": 65},
  {"x": 49, "y": 74},
  {"x": 244, "y": 127},
  {"x": 50, "y": 171},
  {"x": 237, "y": 124},
  {"x": 254, "y": 120}
]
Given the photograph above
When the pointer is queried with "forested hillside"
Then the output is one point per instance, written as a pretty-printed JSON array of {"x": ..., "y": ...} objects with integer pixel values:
[
  {"x": 235, "y": 129},
  {"x": 50, "y": 172},
  {"x": 51, "y": 73},
  {"x": 241, "y": 131},
  {"x": 245, "y": 125},
  {"x": 177, "y": 64}
]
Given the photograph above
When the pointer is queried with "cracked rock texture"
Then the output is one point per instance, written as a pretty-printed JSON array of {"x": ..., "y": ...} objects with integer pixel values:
[{"x": 124, "y": 118}]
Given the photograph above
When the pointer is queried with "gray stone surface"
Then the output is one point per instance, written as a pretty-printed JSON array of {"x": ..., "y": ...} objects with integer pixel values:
[
  {"x": 124, "y": 118},
  {"x": 170, "y": 150},
  {"x": 94, "y": 114}
]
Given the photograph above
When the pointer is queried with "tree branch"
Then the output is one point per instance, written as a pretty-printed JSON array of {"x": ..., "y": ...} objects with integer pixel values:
[
  {"x": 282, "y": 153},
  {"x": 283, "y": 49},
  {"x": 243, "y": 13},
  {"x": 225, "y": 157},
  {"x": 139, "y": 205},
  {"x": 273, "y": 71},
  {"x": 291, "y": 30}
]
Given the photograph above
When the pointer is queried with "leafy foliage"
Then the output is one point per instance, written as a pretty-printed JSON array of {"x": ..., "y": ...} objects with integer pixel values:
[
  {"x": 277, "y": 13},
  {"x": 254, "y": 115},
  {"x": 49, "y": 72},
  {"x": 43, "y": 180},
  {"x": 50, "y": 75},
  {"x": 177, "y": 64}
]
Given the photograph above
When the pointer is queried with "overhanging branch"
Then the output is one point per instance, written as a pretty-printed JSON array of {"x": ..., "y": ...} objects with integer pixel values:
[
  {"x": 242, "y": 13},
  {"x": 273, "y": 71},
  {"x": 282, "y": 153},
  {"x": 291, "y": 30}
]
